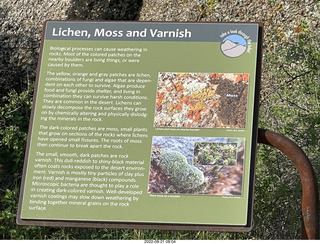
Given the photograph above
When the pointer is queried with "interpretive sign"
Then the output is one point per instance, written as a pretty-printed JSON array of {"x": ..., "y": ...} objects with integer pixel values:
[{"x": 143, "y": 125}]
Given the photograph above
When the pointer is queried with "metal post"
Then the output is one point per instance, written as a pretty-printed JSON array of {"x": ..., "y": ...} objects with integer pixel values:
[{"x": 310, "y": 194}]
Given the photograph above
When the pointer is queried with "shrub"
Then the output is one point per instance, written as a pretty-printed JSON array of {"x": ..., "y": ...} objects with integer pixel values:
[
  {"x": 14, "y": 122},
  {"x": 291, "y": 107}
]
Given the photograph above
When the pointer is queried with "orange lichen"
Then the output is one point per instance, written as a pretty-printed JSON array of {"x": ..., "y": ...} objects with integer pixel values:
[
  {"x": 160, "y": 99},
  {"x": 190, "y": 114},
  {"x": 197, "y": 116},
  {"x": 178, "y": 86},
  {"x": 242, "y": 77},
  {"x": 179, "y": 107},
  {"x": 185, "y": 99},
  {"x": 174, "y": 107},
  {"x": 215, "y": 76},
  {"x": 212, "y": 104}
]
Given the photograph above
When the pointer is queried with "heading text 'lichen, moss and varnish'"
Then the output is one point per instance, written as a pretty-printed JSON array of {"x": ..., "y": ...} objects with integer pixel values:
[{"x": 154, "y": 33}]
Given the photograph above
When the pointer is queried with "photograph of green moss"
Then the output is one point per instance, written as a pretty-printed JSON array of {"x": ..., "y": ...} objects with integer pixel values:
[
  {"x": 196, "y": 165},
  {"x": 211, "y": 153},
  {"x": 201, "y": 100}
]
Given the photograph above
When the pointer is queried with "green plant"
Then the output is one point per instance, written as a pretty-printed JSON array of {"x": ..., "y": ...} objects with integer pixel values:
[
  {"x": 291, "y": 108},
  {"x": 207, "y": 153},
  {"x": 14, "y": 121},
  {"x": 8, "y": 227},
  {"x": 206, "y": 6}
]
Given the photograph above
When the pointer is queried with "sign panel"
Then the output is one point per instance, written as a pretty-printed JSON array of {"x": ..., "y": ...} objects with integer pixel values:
[{"x": 143, "y": 125}]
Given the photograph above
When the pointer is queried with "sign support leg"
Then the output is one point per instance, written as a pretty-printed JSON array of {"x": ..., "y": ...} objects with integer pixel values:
[{"x": 310, "y": 193}]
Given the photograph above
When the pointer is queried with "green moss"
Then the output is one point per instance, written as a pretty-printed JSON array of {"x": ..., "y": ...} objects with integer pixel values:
[{"x": 182, "y": 175}]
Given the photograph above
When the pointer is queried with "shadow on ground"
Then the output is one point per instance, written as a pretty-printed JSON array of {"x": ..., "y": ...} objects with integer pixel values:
[
  {"x": 104, "y": 10},
  {"x": 19, "y": 53}
]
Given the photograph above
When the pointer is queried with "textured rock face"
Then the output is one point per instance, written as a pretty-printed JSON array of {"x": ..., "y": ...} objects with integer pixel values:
[
  {"x": 20, "y": 35},
  {"x": 182, "y": 175}
]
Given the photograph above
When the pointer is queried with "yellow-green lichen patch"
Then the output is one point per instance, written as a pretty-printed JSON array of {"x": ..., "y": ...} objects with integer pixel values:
[{"x": 182, "y": 175}]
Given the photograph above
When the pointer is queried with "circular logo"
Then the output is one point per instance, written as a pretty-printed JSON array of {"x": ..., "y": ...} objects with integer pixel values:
[{"x": 233, "y": 46}]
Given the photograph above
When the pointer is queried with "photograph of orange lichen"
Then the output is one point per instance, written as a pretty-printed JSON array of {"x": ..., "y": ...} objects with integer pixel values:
[{"x": 201, "y": 100}]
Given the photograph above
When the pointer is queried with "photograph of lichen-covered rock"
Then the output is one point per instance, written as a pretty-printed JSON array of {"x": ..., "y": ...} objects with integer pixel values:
[
  {"x": 196, "y": 165},
  {"x": 201, "y": 100}
]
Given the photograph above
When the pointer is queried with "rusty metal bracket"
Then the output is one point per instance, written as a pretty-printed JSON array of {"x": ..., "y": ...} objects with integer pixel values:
[{"x": 310, "y": 193}]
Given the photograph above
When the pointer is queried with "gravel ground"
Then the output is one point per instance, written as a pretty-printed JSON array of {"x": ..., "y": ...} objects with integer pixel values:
[{"x": 280, "y": 18}]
